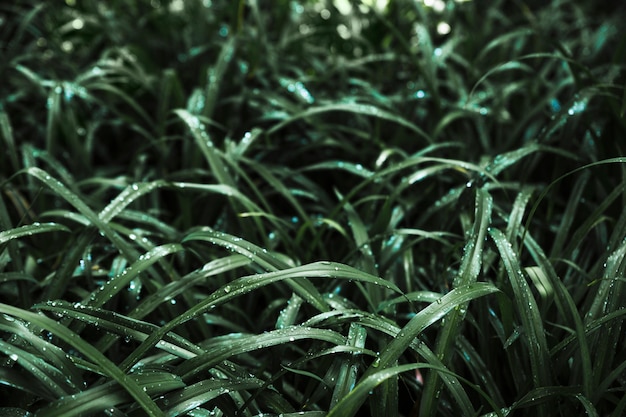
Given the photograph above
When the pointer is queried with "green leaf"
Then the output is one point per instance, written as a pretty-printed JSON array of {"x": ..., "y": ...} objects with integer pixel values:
[
  {"x": 104, "y": 365},
  {"x": 201, "y": 392},
  {"x": 208, "y": 149},
  {"x": 29, "y": 230},
  {"x": 126, "y": 197},
  {"x": 45, "y": 350},
  {"x": 120, "y": 281},
  {"x": 360, "y": 109},
  {"x": 261, "y": 257},
  {"x": 528, "y": 310},
  {"x": 58, "y": 188},
  {"x": 108, "y": 395},
  {"x": 217, "y": 74},
  {"x": 349, "y": 405},
  {"x": 51, "y": 377},
  {"x": 251, "y": 283},
  {"x": 568, "y": 309},
  {"x": 347, "y": 377},
  {"x": 221, "y": 348},
  {"x": 428, "y": 316},
  {"x": 468, "y": 274},
  {"x": 121, "y": 325}
]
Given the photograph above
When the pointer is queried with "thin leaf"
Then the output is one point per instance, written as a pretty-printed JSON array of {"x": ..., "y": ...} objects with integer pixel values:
[
  {"x": 119, "y": 282},
  {"x": 29, "y": 230},
  {"x": 527, "y": 308},
  {"x": 103, "y": 397},
  {"x": 359, "y": 109},
  {"x": 428, "y": 316},
  {"x": 251, "y": 283},
  {"x": 225, "y": 347},
  {"x": 105, "y": 365},
  {"x": 201, "y": 392},
  {"x": 468, "y": 274}
]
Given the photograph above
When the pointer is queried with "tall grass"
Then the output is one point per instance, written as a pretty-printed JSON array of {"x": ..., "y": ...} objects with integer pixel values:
[{"x": 312, "y": 208}]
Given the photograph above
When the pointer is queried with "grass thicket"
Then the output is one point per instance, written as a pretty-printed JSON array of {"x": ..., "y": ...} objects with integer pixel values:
[{"x": 312, "y": 208}]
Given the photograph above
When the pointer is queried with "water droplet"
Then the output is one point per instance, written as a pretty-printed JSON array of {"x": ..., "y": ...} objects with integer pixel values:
[
  {"x": 555, "y": 105},
  {"x": 577, "y": 107},
  {"x": 78, "y": 24}
]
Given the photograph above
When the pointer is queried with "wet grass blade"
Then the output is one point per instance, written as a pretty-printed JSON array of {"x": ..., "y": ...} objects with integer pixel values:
[
  {"x": 121, "y": 325},
  {"x": 261, "y": 257},
  {"x": 536, "y": 344},
  {"x": 126, "y": 197},
  {"x": 222, "y": 348},
  {"x": 348, "y": 371},
  {"x": 216, "y": 75},
  {"x": 204, "y": 142},
  {"x": 59, "y": 189},
  {"x": 47, "y": 351},
  {"x": 567, "y": 309},
  {"x": 120, "y": 282},
  {"x": 609, "y": 298},
  {"x": 191, "y": 397},
  {"x": 513, "y": 227},
  {"x": 104, "y": 365},
  {"x": 429, "y": 315},
  {"x": 351, "y": 403},
  {"x": 468, "y": 274},
  {"x": 186, "y": 283},
  {"x": 30, "y": 230},
  {"x": 40, "y": 370},
  {"x": 106, "y": 396},
  {"x": 248, "y": 284},
  {"x": 358, "y": 109}
]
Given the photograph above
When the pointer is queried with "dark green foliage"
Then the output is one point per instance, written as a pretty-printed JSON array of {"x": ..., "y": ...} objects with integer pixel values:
[{"x": 312, "y": 208}]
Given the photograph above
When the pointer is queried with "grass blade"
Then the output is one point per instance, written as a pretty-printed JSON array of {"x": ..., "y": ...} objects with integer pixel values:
[
  {"x": 360, "y": 109},
  {"x": 346, "y": 380},
  {"x": 104, "y": 365},
  {"x": 106, "y": 396},
  {"x": 351, "y": 403},
  {"x": 428, "y": 316},
  {"x": 468, "y": 274},
  {"x": 121, "y": 325},
  {"x": 248, "y": 284},
  {"x": 29, "y": 230},
  {"x": 534, "y": 334},
  {"x": 119, "y": 282},
  {"x": 221, "y": 348}
]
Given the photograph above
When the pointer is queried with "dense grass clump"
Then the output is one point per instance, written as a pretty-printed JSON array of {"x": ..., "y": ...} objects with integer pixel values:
[{"x": 385, "y": 208}]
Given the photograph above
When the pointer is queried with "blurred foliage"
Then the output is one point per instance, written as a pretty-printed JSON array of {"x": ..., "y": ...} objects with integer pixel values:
[{"x": 257, "y": 207}]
